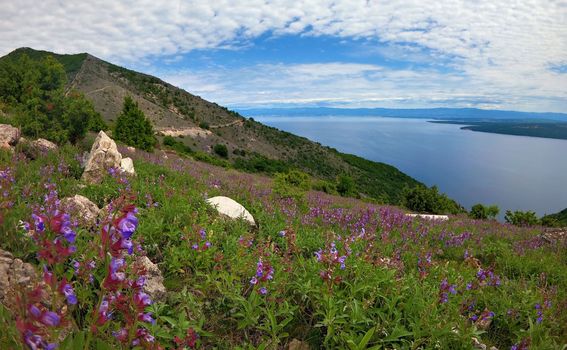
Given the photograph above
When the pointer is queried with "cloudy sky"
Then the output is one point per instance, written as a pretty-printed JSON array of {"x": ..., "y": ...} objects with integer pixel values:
[{"x": 501, "y": 54}]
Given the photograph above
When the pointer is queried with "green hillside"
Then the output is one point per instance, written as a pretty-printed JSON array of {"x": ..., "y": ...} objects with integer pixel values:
[{"x": 251, "y": 146}]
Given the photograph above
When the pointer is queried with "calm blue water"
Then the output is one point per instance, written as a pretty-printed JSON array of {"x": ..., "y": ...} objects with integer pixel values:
[{"x": 513, "y": 172}]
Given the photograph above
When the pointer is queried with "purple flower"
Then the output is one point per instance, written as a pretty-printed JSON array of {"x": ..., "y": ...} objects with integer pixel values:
[
  {"x": 282, "y": 233},
  {"x": 195, "y": 246},
  {"x": 142, "y": 299},
  {"x": 69, "y": 294},
  {"x": 116, "y": 264},
  {"x": 263, "y": 291},
  {"x": 253, "y": 281},
  {"x": 34, "y": 310},
  {"x": 146, "y": 317},
  {"x": 50, "y": 318},
  {"x": 127, "y": 225}
]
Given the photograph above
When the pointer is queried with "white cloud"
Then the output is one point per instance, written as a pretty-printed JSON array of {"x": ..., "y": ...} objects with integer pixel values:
[{"x": 498, "y": 45}]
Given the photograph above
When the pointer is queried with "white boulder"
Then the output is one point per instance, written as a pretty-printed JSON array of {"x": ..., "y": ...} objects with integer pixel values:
[
  {"x": 429, "y": 216},
  {"x": 103, "y": 156},
  {"x": 127, "y": 166},
  {"x": 231, "y": 208},
  {"x": 82, "y": 209}
]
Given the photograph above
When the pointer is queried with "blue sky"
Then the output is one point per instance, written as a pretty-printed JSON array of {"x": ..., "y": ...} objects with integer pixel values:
[{"x": 346, "y": 53}]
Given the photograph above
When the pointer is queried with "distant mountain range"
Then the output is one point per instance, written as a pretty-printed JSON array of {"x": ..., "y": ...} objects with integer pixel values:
[{"x": 425, "y": 113}]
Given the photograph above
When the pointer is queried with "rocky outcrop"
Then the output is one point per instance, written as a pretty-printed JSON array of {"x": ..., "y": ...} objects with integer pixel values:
[
  {"x": 555, "y": 236},
  {"x": 9, "y": 136},
  {"x": 104, "y": 155},
  {"x": 154, "y": 280},
  {"x": 231, "y": 208},
  {"x": 82, "y": 209},
  {"x": 14, "y": 274}
]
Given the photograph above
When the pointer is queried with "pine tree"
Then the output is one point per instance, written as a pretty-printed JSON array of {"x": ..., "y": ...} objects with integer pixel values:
[{"x": 133, "y": 128}]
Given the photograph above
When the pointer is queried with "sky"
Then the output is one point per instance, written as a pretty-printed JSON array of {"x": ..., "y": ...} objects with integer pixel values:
[{"x": 493, "y": 54}]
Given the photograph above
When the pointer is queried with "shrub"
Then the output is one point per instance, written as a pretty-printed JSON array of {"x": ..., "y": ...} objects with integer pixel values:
[
  {"x": 204, "y": 125},
  {"x": 221, "y": 150},
  {"x": 428, "y": 200},
  {"x": 521, "y": 218},
  {"x": 176, "y": 145},
  {"x": 292, "y": 184},
  {"x": 346, "y": 186},
  {"x": 481, "y": 212},
  {"x": 133, "y": 128}
]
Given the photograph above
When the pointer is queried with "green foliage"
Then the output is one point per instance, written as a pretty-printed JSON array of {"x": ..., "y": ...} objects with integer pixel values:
[
  {"x": 221, "y": 150},
  {"x": 346, "y": 186},
  {"x": 555, "y": 220},
  {"x": 428, "y": 200},
  {"x": 133, "y": 128},
  {"x": 481, "y": 212},
  {"x": 324, "y": 186},
  {"x": 378, "y": 180},
  {"x": 521, "y": 218},
  {"x": 260, "y": 164},
  {"x": 204, "y": 125},
  {"x": 35, "y": 90},
  {"x": 176, "y": 145},
  {"x": 292, "y": 184}
]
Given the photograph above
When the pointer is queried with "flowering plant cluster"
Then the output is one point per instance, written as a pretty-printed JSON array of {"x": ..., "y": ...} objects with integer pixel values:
[
  {"x": 331, "y": 258},
  {"x": 199, "y": 242},
  {"x": 264, "y": 273},
  {"x": 445, "y": 289},
  {"x": 7, "y": 181}
]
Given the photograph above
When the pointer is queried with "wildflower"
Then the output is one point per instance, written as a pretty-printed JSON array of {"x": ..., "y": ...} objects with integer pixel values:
[
  {"x": 66, "y": 289},
  {"x": 263, "y": 291},
  {"x": 254, "y": 281},
  {"x": 444, "y": 289},
  {"x": 50, "y": 318}
]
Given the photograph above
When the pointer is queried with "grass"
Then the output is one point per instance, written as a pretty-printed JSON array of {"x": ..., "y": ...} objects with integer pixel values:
[{"x": 389, "y": 295}]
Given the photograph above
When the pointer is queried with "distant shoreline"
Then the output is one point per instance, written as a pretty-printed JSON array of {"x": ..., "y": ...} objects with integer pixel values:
[{"x": 547, "y": 129}]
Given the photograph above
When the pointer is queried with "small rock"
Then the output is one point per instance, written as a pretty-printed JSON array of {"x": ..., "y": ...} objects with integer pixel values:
[
  {"x": 81, "y": 208},
  {"x": 131, "y": 149},
  {"x": 13, "y": 272},
  {"x": 37, "y": 148},
  {"x": 296, "y": 344},
  {"x": 127, "y": 166},
  {"x": 103, "y": 156},
  {"x": 154, "y": 279},
  {"x": 477, "y": 344},
  {"x": 429, "y": 216},
  {"x": 43, "y": 145},
  {"x": 231, "y": 208},
  {"x": 9, "y": 136}
]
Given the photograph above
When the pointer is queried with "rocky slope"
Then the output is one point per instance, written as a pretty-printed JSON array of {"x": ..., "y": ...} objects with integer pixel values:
[{"x": 201, "y": 124}]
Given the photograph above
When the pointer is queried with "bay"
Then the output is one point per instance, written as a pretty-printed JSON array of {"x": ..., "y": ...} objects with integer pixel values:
[{"x": 513, "y": 172}]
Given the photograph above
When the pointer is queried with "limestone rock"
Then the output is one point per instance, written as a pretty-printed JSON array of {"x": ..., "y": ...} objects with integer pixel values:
[
  {"x": 82, "y": 209},
  {"x": 103, "y": 156},
  {"x": 9, "y": 136},
  {"x": 231, "y": 208},
  {"x": 13, "y": 274},
  {"x": 429, "y": 216},
  {"x": 127, "y": 166},
  {"x": 154, "y": 280},
  {"x": 37, "y": 148}
]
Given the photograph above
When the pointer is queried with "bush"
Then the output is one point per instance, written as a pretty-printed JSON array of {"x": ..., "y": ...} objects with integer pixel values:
[
  {"x": 346, "y": 186},
  {"x": 221, "y": 150},
  {"x": 292, "y": 184},
  {"x": 521, "y": 218},
  {"x": 204, "y": 125},
  {"x": 133, "y": 128},
  {"x": 428, "y": 200},
  {"x": 324, "y": 186},
  {"x": 481, "y": 212},
  {"x": 176, "y": 145}
]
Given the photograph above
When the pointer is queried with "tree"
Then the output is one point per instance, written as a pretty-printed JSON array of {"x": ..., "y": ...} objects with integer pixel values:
[
  {"x": 346, "y": 186},
  {"x": 521, "y": 218},
  {"x": 35, "y": 91},
  {"x": 428, "y": 200},
  {"x": 481, "y": 212},
  {"x": 133, "y": 128},
  {"x": 221, "y": 150}
]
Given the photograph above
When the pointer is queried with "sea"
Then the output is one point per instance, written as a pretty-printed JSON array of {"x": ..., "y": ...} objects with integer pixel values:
[{"x": 513, "y": 172}]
